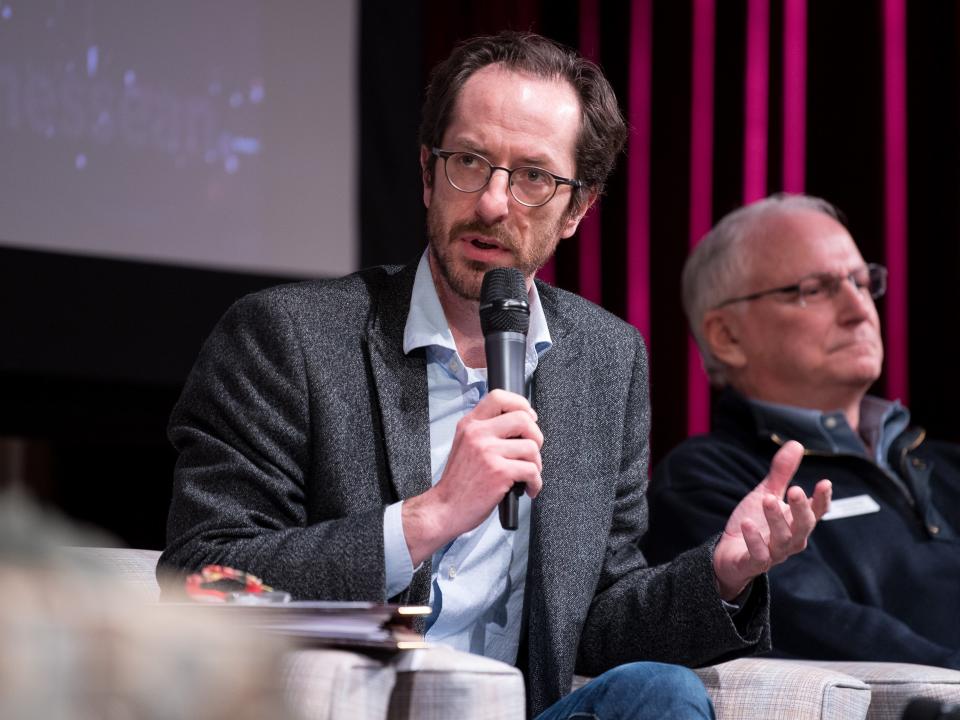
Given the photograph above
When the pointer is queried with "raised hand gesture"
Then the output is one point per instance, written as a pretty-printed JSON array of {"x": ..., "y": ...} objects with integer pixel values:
[{"x": 763, "y": 529}]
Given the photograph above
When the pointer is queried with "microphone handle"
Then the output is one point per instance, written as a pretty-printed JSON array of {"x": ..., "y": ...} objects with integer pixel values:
[{"x": 506, "y": 353}]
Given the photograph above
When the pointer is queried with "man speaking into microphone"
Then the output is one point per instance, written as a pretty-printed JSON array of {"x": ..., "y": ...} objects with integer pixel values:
[{"x": 339, "y": 439}]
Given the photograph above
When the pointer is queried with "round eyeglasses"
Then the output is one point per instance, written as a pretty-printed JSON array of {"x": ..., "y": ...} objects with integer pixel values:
[
  {"x": 871, "y": 278},
  {"x": 530, "y": 186}
]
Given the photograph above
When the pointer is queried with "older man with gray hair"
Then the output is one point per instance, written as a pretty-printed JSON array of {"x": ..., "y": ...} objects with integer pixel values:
[{"x": 781, "y": 304}]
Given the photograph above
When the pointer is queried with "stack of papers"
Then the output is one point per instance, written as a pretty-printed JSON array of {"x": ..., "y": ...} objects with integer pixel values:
[{"x": 347, "y": 624}]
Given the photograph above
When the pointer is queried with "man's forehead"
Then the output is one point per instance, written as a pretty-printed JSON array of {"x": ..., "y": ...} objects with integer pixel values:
[
  {"x": 517, "y": 102},
  {"x": 516, "y": 80},
  {"x": 801, "y": 241}
]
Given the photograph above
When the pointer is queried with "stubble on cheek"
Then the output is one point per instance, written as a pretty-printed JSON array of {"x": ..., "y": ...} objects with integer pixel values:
[{"x": 465, "y": 275}]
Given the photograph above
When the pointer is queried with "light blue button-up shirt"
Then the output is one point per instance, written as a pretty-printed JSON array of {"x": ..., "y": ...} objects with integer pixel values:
[{"x": 478, "y": 579}]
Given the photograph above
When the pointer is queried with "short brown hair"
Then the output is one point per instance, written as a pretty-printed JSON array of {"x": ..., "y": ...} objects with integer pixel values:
[{"x": 603, "y": 131}]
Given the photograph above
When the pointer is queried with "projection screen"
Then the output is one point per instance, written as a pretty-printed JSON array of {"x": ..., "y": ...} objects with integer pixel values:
[{"x": 217, "y": 134}]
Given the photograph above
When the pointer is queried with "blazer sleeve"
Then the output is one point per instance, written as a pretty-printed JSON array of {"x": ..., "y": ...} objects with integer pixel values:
[
  {"x": 672, "y": 612},
  {"x": 694, "y": 491},
  {"x": 245, "y": 479}
]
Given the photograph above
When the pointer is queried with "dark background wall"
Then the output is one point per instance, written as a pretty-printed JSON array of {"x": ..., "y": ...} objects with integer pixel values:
[{"x": 93, "y": 352}]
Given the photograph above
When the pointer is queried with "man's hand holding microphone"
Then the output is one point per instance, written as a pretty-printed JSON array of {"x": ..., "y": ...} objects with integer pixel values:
[{"x": 495, "y": 455}]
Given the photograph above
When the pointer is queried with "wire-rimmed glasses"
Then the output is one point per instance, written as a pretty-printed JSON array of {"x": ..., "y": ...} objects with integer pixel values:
[{"x": 823, "y": 286}]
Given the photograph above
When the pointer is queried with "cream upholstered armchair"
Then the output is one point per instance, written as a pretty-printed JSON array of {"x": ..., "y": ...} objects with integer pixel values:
[{"x": 439, "y": 683}]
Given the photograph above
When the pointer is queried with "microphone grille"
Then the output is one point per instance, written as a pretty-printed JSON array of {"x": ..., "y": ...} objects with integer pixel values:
[{"x": 503, "y": 302}]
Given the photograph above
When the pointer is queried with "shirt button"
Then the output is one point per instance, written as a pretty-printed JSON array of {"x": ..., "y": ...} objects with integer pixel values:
[
  {"x": 934, "y": 529},
  {"x": 830, "y": 422},
  {"x": 451, "y": 572}
]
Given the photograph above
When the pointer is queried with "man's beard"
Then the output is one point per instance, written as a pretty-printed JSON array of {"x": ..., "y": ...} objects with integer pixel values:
[{"x": 465, "y": 276}]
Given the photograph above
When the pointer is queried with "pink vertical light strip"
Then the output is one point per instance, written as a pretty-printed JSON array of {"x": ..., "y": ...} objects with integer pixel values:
[
  {"x": 548, "y": 273},
  {"x": 638, "y": 166},
  {"x": 756, "y": 96},
  {"x": 794, "y": 95},
  {"x": 589, "y": 269},
  {"x": 895, "y": 194},
  {"x": 701, "y": 186}
]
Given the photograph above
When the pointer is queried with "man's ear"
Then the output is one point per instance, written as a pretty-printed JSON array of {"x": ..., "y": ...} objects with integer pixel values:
[
  {"x": 426, "y": 174},
  {"x": 721, "y": 332},
  {"x": 572, "y": 221}
]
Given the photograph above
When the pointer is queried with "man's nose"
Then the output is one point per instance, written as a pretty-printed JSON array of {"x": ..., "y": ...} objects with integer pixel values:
[
  {"x": 855, "y": 301},
  {"x": 494, "y": 201}
]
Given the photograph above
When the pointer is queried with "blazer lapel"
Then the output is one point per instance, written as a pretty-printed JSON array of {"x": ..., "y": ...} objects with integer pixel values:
[
  {"x": 552, "y": 619},
  {"x": 401, "y": 388},
  {"x": 400, "y": 383}
]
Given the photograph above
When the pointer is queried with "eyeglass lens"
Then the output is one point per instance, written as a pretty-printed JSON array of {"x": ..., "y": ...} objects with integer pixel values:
[
  {"x": 872, "y": 278},
  {"x": 470, "y": 173}
]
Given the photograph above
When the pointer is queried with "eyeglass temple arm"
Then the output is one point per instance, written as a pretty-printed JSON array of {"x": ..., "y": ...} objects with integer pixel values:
[{"x": 753, "y": 296}]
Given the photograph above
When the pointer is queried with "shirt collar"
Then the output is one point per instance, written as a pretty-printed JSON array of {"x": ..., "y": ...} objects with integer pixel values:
[
  {"x": 881, "y": 421},
  {"x": 427, "y": 325}
]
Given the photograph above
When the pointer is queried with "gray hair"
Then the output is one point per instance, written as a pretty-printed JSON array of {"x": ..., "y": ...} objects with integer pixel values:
[{"x": 718, "y": 266}]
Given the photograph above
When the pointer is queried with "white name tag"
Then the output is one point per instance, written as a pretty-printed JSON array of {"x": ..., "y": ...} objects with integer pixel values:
[{"x": 850, "y": 506}]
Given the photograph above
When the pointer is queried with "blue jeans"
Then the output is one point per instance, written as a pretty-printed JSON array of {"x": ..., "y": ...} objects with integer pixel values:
[{"x": 636, "y": 691}]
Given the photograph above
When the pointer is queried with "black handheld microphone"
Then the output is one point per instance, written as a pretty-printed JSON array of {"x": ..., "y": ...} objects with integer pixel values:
[
  {"x": 504, "y": 318},
  {"x": 929, "y": 709}
]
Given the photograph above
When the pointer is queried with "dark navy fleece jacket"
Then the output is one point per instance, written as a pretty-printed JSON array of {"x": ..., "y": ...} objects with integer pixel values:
[{"x": 882, "y": 585}]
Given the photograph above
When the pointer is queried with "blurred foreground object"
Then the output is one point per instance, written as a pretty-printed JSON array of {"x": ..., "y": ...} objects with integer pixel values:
[
  {"x": 219, "y": 584},
  {"x": 79, "y": 643},
  {"x": 926, "y": 709}
]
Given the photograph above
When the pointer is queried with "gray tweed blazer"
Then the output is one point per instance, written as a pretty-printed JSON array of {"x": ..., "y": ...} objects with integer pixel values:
[{"x": 302, "y": 419}]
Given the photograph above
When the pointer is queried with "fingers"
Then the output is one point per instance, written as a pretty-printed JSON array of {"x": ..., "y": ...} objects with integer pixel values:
[
  {"x": 518, "y": 461},
  {"x": 511, "y": 431},
  {"x": 790, "y": 526},
  {"x": 515, "y": 424},
  {"x": 808, "y": 512},
  {"x": 501, "y": 473},
  {"x": 757, "y": 547},
  {"x": 524, "y": 472},
  {"x": 498, "y": 402},
  {"x": 804, "y": 520},
  {"x": 495, "y": 445},
  {"x": 770, "y": 529},
  {"x": 503, "y": 414},
  {"x": 821, "y": 498},
  {"x": 518, "y": 449},
  {"x": 783, "y": 466},
  {"x": 766, "y": 549},
  {"x": 781, "y": 537}
]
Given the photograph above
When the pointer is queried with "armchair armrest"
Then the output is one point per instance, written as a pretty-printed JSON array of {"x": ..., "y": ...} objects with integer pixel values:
[
  {"x": 333, "y": 684},
  {"x": 768, "y": 688},
  {"x": 432, "y": 684},
  {"x": 443, "y": 684},
  {"x": 893, "y": 685}
]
